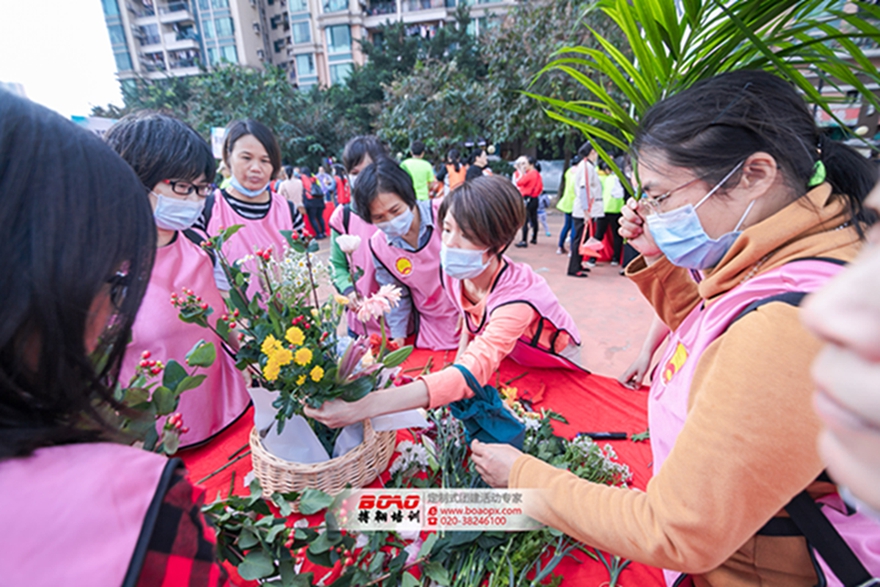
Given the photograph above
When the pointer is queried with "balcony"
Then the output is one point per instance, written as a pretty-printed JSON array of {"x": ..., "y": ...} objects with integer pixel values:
[
  {"x": 419, "y": 5},
  {"x": 177, "y": 41},
  {"x": 175, "y": 12},
  {"x": 139, "y": 10},
  {"x": 381, "y": 7}
]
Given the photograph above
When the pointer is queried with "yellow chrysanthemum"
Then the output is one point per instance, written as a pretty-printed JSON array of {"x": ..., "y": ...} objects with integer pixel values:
[
  {"x": 301, "y": 379},
  {"x": 270, "y": 372},
  {"x": 283, "y": 357},
  {"x": 317, "y": 373},
  {"x": 295, "y": 336},
  {"x": 270, "y": 346},
  {"x": 509, "y": 394},
  {"x": 303, "y": 356},
  {"x": 341, "y": 300}
]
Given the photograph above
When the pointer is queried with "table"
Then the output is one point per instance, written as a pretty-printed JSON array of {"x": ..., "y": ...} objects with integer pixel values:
[{"x": 589, "y": 403}]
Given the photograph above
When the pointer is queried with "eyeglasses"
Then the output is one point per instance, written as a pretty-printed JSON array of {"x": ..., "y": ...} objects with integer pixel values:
[
  {"x": 654, "y": 203},
  {"x": 119, "y": 283},
  {"x": 185, "y": 188}
]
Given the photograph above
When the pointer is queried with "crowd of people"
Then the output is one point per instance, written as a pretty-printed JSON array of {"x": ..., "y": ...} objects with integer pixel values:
[{"x": 744, "y": 210}]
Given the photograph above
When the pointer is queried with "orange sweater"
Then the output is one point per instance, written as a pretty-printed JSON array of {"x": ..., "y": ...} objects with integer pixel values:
[{"x": 749, "y": 442}]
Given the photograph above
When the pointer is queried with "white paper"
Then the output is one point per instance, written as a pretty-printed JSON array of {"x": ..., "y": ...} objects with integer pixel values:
[
  {"x": 350, "y": 436},
  {"x": 398, "y": 420},
  {"x": 264, "y": 411},
  {"x": 297, "y": 443}
]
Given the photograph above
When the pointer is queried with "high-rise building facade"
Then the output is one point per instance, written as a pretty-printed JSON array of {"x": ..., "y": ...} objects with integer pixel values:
[{"x": 316, "y": 41}]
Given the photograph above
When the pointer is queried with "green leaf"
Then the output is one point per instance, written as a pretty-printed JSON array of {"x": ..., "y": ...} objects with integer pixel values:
[
  {"x": 357, "y": 389},
  {"x": 436, "y": 572},
  {"x": 174, "y": 374},
  {"x": 409, "y": 580},
  {"x": 190, "y": 382},
  {"x": 202, "y": 354},
  {"x": 313, "y": 501},
  {"x": 247, "y": 539},
  {"x": 283, "y": 507},
  {"x": 170, "y": 442},
  {"x": 395, "y": 358},
  {"x": 324, "y": 542},
  {"x": 164, "y": 400},
  {"x": 427, "y": 545},
  {"x": 313, "y": 247},
  {"x": 256, "y": 565}
]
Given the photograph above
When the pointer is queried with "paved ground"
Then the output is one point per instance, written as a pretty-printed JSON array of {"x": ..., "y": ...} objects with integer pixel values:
[{"x": 611, "y": 314}]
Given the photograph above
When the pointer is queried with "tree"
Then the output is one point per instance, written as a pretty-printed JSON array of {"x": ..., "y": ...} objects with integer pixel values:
[{"x": 665, "y": 51}]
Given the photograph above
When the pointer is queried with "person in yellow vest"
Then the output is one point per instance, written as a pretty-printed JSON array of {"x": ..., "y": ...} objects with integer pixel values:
[
  {"x": 612, "y": 201},
  {"x": 566, "y": 205}
]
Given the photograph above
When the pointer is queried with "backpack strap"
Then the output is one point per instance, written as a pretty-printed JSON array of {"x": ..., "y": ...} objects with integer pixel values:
[
  {"x": 209, "y": 209},
  {"x": 197, "y": 239}
]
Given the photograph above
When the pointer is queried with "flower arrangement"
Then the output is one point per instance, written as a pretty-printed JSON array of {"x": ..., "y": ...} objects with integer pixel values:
[
  {"x": 146, "y": 399},
  {"x": 287, "y": 340}
]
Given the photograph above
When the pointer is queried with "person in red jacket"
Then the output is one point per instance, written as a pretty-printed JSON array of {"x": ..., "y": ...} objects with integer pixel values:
[{"x": 531, "y": 186}]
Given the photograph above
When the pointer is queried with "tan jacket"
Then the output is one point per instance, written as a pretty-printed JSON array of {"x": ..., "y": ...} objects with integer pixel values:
[{"x": 749, "y": 442}]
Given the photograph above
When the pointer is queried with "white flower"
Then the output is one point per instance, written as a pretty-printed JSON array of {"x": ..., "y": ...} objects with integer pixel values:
[
  {"x": 348, "y": 243},
  {"x": 390, "y": 293}
]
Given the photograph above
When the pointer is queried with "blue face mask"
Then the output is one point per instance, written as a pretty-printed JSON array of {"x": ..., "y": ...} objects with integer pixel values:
[
  {"x": 397, "y": 226},
  {"x": 174, "y": 214},
  {"x": 244, "y": 191},
  {"x": 462, "y": 263},
  {"x": 681, "y": 238}
]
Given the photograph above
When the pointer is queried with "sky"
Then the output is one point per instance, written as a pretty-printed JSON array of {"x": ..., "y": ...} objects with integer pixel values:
[{"x": 59, "y": 50}]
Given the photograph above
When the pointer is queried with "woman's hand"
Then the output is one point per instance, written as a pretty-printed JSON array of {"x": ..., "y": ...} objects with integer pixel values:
[
  {"x": 633, "y": 376},
  {"x": 338, "y": 413},
  {"x": 354, "y": 301},
  {"x": 634, "y": 230},
  {"x": 494, "y": 462}
]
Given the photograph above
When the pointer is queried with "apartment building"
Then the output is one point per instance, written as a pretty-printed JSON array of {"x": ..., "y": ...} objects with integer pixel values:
[
  {"x": 316, "y": 41},
  {"x": 155, "y": 39}
]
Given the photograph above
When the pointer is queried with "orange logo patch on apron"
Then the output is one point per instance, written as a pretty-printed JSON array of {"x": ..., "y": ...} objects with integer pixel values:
[
  {"x": 404, "y": 266},
  {"x": 675, "y": 363}
]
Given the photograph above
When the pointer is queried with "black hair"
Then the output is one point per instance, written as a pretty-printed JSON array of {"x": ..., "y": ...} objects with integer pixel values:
[
  {"x": 357, "y": 148},
  {"x": 453, "y": 157},
  {"x": 288, "y": 169},
  {"x": 585, "y": 149},
  {"x": 304, "y": 170},
  {"x": 161, "y": 147},
  {"x": 339, "y": 170},
  {"x": 534, "y": 163},
  {"x": 384, "y": 176},
  {"x": 75, "y": 219},
  {"x": 575, "y": 160},
  {"x": 243, "y": 128},
  {"x": 719, "y": 122},
  {"x": 417, "y": 148},
  {"x": 476, "y": 153}
]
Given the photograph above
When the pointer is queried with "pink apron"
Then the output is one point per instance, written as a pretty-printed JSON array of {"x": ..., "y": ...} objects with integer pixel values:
[
  {"x": 518, "y": 284},
  {"x": 223, "y": 396},
  {"x": 73, "y": 514},
  {"x": 670, "y": 389},
  {"x": 436, "y": 318},
  {"x": 363, "y": 259},
  {"x": 254, "y": 234}
]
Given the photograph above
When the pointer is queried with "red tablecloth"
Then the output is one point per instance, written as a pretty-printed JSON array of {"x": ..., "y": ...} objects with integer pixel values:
[{"x": 590, "y": 403}]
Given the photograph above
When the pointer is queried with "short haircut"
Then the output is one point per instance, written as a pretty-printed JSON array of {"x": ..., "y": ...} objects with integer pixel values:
[
  {"x": 74, "y": 215},
  {"x": 160, "y": 147},
  {"x": 243, "y": 128},
  {"x": 383, "y": 176},
  {"x": 488, "y": 209},
  {"x": 476, "y": 153},
  {"x": 358, "y": 147},
  {"x": 417, "y": 148},
  {"x": 585, "y": 149}
]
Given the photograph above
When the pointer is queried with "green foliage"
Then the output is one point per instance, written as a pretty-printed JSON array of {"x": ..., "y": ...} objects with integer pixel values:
[{"x": 666, "y": 50}]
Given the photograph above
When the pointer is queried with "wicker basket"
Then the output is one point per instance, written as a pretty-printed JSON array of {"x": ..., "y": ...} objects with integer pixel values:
[{"x": 356, "y": 468}]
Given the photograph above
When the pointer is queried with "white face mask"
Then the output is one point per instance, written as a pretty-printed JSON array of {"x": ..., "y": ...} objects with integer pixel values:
[
  {"x": 397, "y": 226},
  {"x": 462, "y": 263},
  {"x": 174, "y": 214}
]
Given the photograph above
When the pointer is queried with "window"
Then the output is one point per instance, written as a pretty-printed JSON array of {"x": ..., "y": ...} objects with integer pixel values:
[
  {"x": 150, "y": 34},
  {"x": 204, "y": 4},
  {"x": 279, "y": 44},
  {"x": 339, "y": 73},
  {"x": 117, "y": 34},
  {"x": 305, "y": 65},
  {"x": 123, "y": 61},
  {"x": 335, "y": 5},
  {"x": 224, "y": 27},
  {"x": 302, "y": 32},
  {"x": 208, "y": 27},
  {"x": 338, "y": 39},
  {"x": 220, "y": 3},
  {"x": 111, "y": 8},
  {"x": 213, "y": 56},
  {"x": 299, "y": 5},
  {"x": 229, "y": 53}
]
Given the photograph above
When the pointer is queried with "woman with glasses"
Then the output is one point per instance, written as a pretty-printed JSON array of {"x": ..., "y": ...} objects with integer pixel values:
[
  {"x": 76, "y": 252},
  {"x": 253, "y": 157},
  {"x": 174, "y": 163},
  {"x": 746, "y": 207}
]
